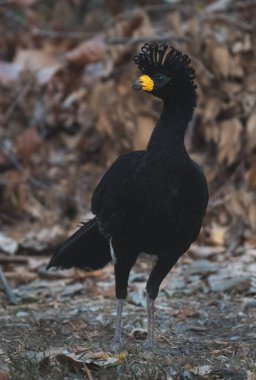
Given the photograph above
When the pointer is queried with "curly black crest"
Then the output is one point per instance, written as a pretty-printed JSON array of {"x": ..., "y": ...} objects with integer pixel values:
[{"x": 154, "y": 58}]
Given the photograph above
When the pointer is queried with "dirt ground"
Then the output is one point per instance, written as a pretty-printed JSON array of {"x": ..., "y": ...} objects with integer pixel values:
[{"x": 206, "y": 325}]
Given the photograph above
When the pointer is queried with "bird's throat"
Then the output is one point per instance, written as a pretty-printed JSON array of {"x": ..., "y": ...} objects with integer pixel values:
[{"x": 170, "y": 129}]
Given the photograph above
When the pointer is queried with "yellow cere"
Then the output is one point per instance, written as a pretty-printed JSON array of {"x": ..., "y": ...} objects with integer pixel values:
[{"x": 146, "y": 82}]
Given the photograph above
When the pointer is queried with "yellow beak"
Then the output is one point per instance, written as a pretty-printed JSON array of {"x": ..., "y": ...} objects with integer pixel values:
[{"x": 144, "y": 82}]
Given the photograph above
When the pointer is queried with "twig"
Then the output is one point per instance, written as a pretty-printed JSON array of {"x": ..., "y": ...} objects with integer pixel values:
[
  {"x": 62, "y": 34},
  {"x": 165, "y": 7},
  {"x": 141, "y": 39},
  {"x": 11, "y": 3},
  {"x": 17, "y": 259},
  {"x": 14, "y": 104},
  {"x": 8, "y": 290},
  {"x": 111, "y": 40},
  {"x": 232, "y": 21},
  {"x": 88, "y": 372}
]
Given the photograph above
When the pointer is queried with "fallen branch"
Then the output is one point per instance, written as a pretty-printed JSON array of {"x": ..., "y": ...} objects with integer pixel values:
[
  {"x": 64, "y": 34},
  {"x": 20, "y": 259},
  {"x": 142, "y": 39}
]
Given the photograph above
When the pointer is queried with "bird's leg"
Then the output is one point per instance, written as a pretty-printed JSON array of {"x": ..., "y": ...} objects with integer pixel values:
[
  {"x": 159, "y": 272},
  {"x": 117, "y": 344},
  {"x": 149, "y": 343},
  {"x": 123, "y": 266}
]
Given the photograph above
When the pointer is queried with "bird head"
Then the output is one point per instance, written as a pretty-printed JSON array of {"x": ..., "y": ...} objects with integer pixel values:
[{"x": 165, "y": 72}]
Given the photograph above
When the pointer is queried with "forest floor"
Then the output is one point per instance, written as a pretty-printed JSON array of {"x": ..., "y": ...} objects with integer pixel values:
[{"x": 63, "y": 326}]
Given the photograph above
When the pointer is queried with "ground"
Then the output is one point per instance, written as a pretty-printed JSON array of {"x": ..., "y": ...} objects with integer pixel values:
[{"x": 206, "y": 325}]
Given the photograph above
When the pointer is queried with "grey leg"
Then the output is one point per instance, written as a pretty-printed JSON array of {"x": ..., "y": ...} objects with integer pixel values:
[
  {"x": 159, "y": 272},
  {"x": 150, "y": 341},
  {"x": 117, "y": 344},
  {"x": 122, "y": 270}
]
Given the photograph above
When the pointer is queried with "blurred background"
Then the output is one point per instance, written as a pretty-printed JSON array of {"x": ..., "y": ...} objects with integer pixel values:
[{"x": 67, "y": 109}]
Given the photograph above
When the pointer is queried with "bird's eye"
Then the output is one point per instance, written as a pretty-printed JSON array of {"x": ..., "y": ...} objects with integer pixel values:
[{"x": 161, "y": 79}]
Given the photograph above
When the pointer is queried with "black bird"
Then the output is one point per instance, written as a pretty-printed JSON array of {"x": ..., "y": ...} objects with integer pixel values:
[{"x": 151, "y": 200}]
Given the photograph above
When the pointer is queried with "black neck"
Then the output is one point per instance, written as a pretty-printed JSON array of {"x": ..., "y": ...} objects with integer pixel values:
[{"x": 170, "y": 129}]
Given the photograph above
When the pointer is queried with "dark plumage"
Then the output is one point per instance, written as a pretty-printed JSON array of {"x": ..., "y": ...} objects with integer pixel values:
[{"x": 152, "y": 200}]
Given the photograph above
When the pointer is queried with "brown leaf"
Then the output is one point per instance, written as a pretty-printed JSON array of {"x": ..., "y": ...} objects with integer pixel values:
[
  {"x": 89, "y": 51},
  {"x": 90, "y": 360},
  {"x": 221, "y": 60},
  {"x": 235, "y": 67},
  {"x": 252, "y": 214},
  {"x": 28, "y": 143},
  {"x": 184, "y": 312},
  {"x": 236, "y": 203},
  {"x": 35, "y": 59},
  {"x": 129, "y": 26},
  {"x": 229, "y": 140},
  {"x": 211, "y": 108},
  {"x": 251, "y": 132},
  {"x": 217, "y": 235},
  {"x": 251, "y": 175}
]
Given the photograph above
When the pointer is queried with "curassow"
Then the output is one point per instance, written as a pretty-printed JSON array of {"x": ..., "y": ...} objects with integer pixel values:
[{"x": 152, "y": 200}]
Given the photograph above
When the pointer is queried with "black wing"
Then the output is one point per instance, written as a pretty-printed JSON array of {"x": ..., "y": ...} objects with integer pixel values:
[{"x": 114, "y": 194}]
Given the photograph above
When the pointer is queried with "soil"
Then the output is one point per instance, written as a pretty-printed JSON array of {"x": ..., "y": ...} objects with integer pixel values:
[{"x": 200, "y": 334}]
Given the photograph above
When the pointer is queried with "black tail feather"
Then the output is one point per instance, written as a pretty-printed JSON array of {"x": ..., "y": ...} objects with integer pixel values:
[{"x": 86, "y": 249}]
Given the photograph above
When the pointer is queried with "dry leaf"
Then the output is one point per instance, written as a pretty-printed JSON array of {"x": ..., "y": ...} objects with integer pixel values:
[
  {"x": 217, "y": 235},
  {"x": 45, "y": 74},
  {"x": 202, "y": 370},
  {"x": 235, "y": 67},
  {"x": 35, "y": 59},
  {"x": 211, "y": 108},
  {"x": 91, "y": 360},
  {"x": 252, "y": 214},
  {"x": 243, "y": 45},
  {"x": 89, "y": 51},
  {"x": 229, "y": 141},
  {"x": 7, "y": 244},
  {"x": 28, "y": 143},
  {"x": 251, "y": 132},
  {"x": 184, "y": 313},
  {"x": 221, "y": 60},
  {"x": 236, "y": 204},
  {"x": 251, "y": 175}
]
